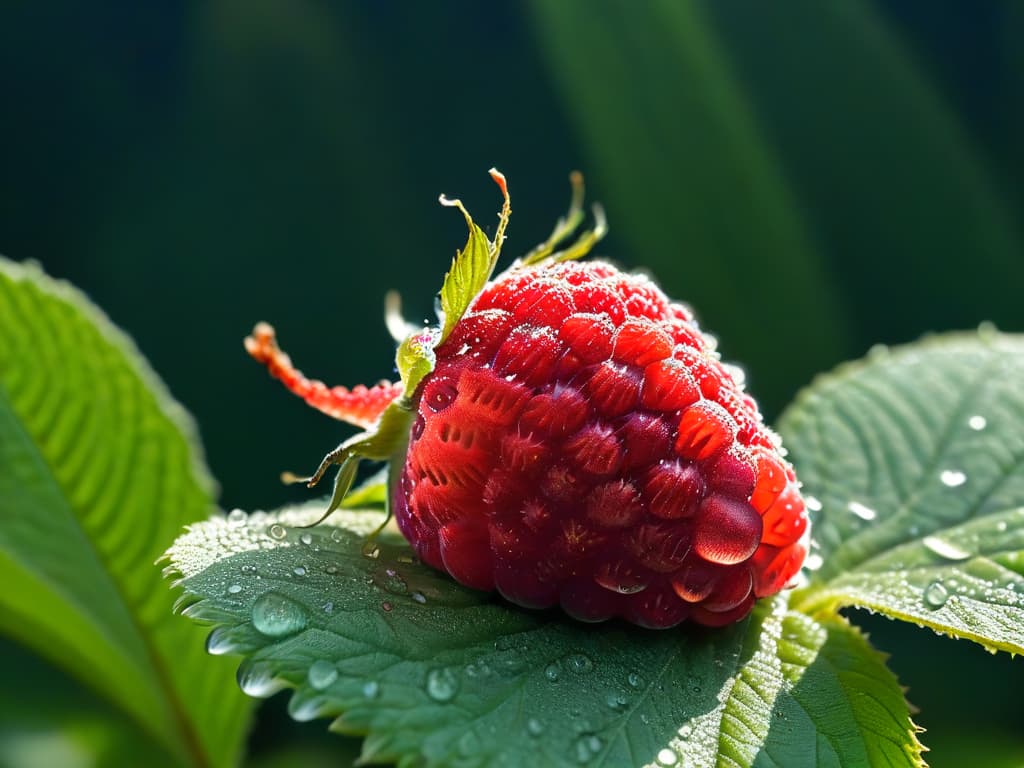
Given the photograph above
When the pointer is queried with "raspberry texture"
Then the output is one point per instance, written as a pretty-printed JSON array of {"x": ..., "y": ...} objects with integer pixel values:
[
  {"x": 572, "y": 439},
  {"x": 580, "y": 443}
]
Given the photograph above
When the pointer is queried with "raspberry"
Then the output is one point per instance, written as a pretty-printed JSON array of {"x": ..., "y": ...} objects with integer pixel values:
[{"x": 578, "y": 442}]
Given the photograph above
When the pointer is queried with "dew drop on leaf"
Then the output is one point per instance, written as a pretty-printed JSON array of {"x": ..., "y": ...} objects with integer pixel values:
[
  {"x": 935, "y": 595},
  {"x": 861, "y": 511},
  {"x": 386, "y": 606},
  {"x": 306, "y": 539},
  {"x": 616, "y": 700},
  {"x": 394, "y": 583},
  {"x": 442, "y": 685},
  {"x": 331, "y": 569},
  {"x": 257, "y": 681},
  {"x": 328, "y": 607},
  {"x": 371, "y": 689},
  {"x": 322, "y": 673},
  {"x": 534, "y": 727},
  {"x": 945, "y": 549},
  {"x": 552, "y": 672},
  {"x": 580, "y": 662},
  {"x": 275, "y": 615},
  {"x": 419, "y": 597},
  {"x": 220, "y": 641},
  {"x": 634, "y": 680},
  {"x": 236, "y": 517},
  {"x": 667, "y": 757},
  {"x": 277, "y": 531},
  {"x": 977, "y": 423},
  {"x": 234, "y": 589},
  {"x": 371, "y": 550},
  {"x": 953, "y": 478},
  {"x": 299, "y": 570}
]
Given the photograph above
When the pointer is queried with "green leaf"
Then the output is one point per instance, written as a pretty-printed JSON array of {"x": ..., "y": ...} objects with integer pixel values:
[
  {"x": 471, "y": 269},
  {"x": 98, "y": 471},
  {"x": 436, "y": 674},
  {"x": 916, "y": 458}
]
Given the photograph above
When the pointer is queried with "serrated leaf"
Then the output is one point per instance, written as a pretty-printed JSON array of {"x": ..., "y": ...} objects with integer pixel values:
[
  {"x": 471, "y": 269},
  {"x": 916, "y": 457},
  {"x": 436, "y": 674},
  {"x": 98, "y": 471}
]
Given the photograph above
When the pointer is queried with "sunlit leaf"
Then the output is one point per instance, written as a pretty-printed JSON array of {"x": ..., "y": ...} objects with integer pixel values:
[
  {"x": 436, "y": 674},
  {"x": 916, "y": 458},
  {"x": 99, "y": 469}
]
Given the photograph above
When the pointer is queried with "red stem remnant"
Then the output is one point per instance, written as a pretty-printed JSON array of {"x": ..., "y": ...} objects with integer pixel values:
[{"x": 361, "y": 405}]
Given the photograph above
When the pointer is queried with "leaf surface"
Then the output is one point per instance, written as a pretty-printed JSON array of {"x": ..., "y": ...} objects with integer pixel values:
[
  {"x": 436, "y": 674},
  {"x": 98, "y": 471},
  {"x": 916, "y": 460}
]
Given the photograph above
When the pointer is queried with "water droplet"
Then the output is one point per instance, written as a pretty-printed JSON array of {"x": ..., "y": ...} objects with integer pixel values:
[
  {"x": 234, "y": 589},
  {"x": 813, "y": 562},
  {"x": 587, "y": 746},
  {"x": 236, "y": 517},
  {"x": 580, "y": 662},
  {"x": 419, "y": 597},
  {"x": 394, "y": 583},
  {"x": 634, "y": 680},
  {"x": 812, "y": 503},
  {"x": 371, "y": 689},
  {"x": 935, "y": 595},
  {"x": 328, "y": 607},
  {"x": 386, "y": 606},
  {"x": 953, "y": 478},
  {"x": 442, "y": 685},
  {"x": 331, "y": 569},
  {"x": 616, "y": 700},
  {"x": 667, "y": 757},
  {"x": 255, "y": 680},
  {"x": 534, "y": 727},
  {"x": 945, "y": 549},
  {"x": 306, "y": 539},
  {"x": 275, "y": 615},
  {"x": 322, "y": 673},
  {"x": 552, "y": 672},
  {"x": 299, "y": 570},
  {"x": 248, "y": 569},
  {"x": 370, "y": 550},
  {"x": 277, "y": 531},
  {"x": 861, "y": 511},
  {"x": 337, "y": 536},
  {"x": 220, "y": 641},
  {"x": 1001, "y": 526}
]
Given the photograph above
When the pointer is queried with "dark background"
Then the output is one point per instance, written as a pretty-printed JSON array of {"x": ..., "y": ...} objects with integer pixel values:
[{"x": 812, "y": 177}]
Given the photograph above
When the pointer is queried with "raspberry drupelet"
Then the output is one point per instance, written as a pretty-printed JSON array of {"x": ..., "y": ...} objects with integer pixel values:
[{"x": 578, "y": 443}]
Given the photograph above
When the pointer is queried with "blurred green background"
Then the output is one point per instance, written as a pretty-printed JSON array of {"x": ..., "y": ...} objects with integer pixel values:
[{"x": 813, "y": 177}]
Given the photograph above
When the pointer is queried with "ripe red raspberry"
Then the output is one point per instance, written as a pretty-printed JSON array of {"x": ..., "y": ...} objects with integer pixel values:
[{"x": 578, "y": 442}]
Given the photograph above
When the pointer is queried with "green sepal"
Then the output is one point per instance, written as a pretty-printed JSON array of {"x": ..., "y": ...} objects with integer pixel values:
[
  {"x": 415, "y": 359},
  {"x": 471, "y": 268}
]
